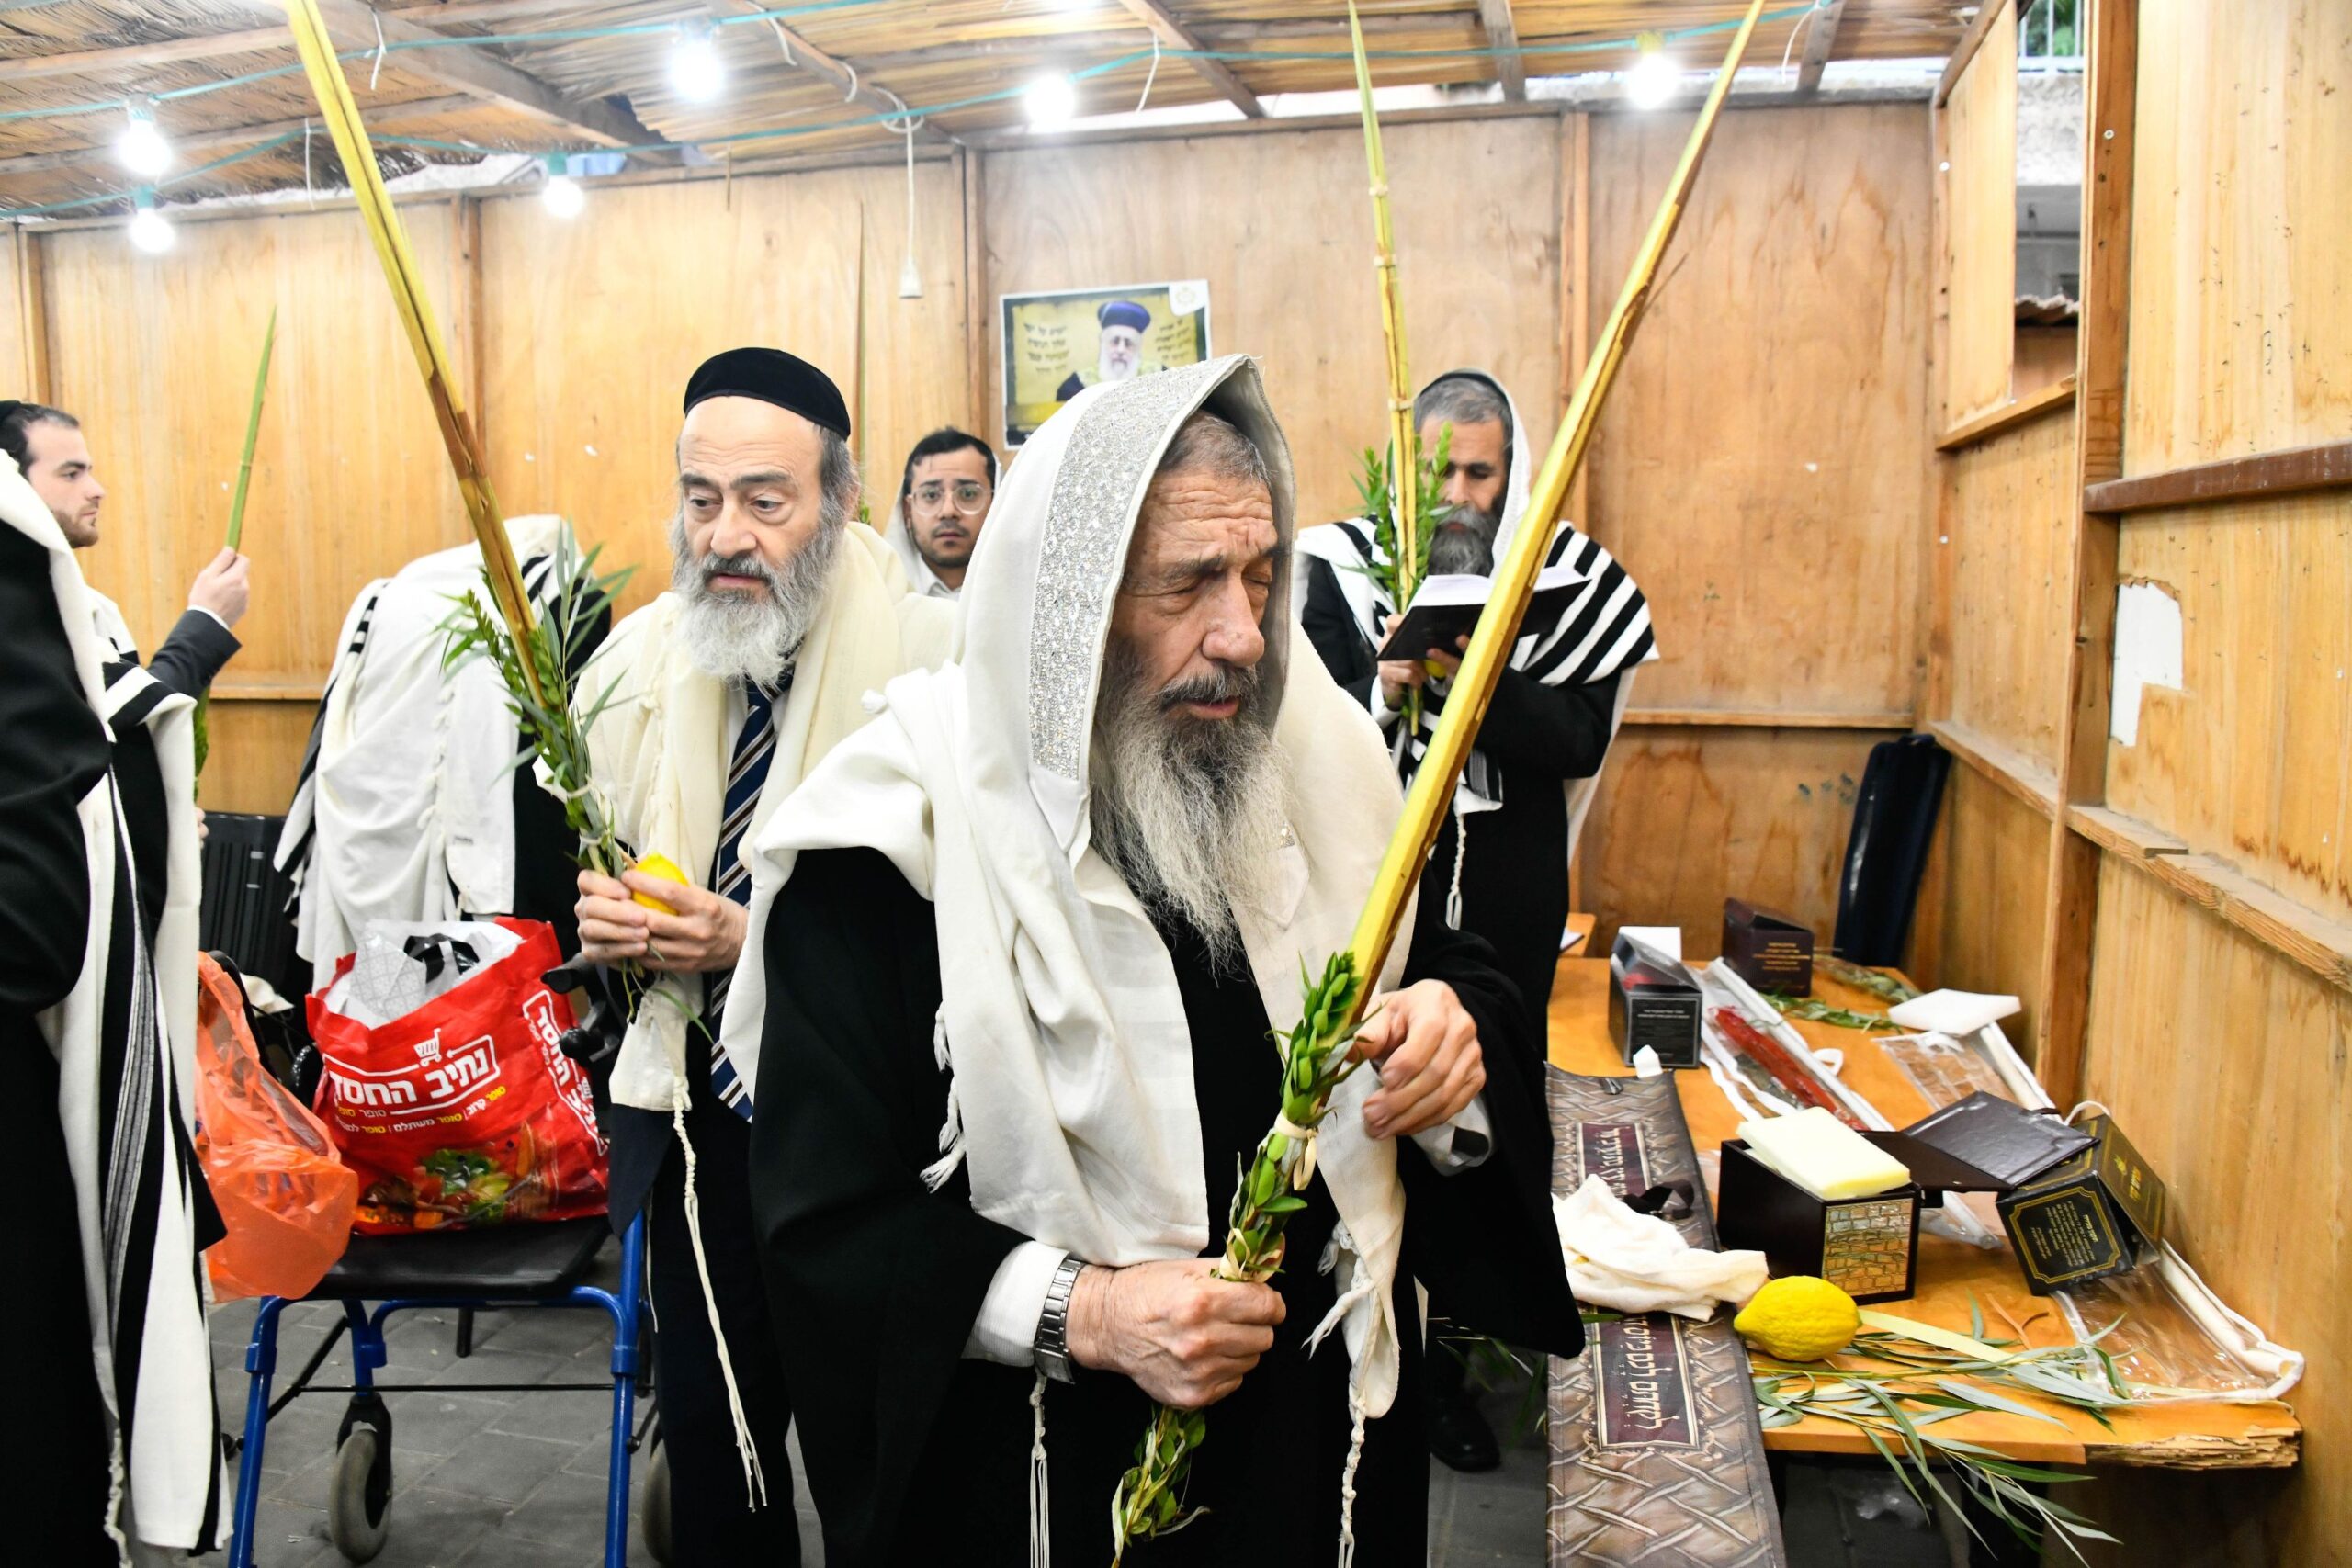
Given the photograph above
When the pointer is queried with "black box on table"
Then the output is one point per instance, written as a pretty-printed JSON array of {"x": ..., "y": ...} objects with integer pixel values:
[
  {"x": 1653, "y": 1000},
  {"x": 2087, "y": 1217},
  {"x": 1771, "y": 950},
  {"x": 1867, "y": 1247}
]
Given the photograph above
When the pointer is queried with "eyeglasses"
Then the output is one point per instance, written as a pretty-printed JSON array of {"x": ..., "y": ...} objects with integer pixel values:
[{"x": 971, "y": 497}]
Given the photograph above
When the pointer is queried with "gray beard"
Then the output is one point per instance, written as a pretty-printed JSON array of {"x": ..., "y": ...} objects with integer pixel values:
[
  {"x": 1468, "y": 550},
  {"x": 1190, "y": 812},
  {"x": 732, "y": 637}
]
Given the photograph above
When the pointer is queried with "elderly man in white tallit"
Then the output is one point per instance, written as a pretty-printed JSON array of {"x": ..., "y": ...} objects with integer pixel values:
[
  {"x": 1022, "y": 942},
  {"x": 116, "y": 1454},
  {"x": 784, "y": 613}
]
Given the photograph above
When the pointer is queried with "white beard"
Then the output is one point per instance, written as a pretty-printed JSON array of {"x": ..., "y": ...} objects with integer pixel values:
[
  {"x": 735, "y": 636},
  {"x": 1190, "y": 812},
  {"x": 1111, "y": 372}
]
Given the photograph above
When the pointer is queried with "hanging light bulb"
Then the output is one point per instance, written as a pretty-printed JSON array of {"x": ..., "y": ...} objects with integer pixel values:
[
  {"x": 149, "y": 229},
  {"x": 142, "y": 148},
  {"x": 563, "y": 193},
  {"x": 1052, "y": 102},
  {"x": 697, "y": 71},
  {"x": 1653, "y": 77}
]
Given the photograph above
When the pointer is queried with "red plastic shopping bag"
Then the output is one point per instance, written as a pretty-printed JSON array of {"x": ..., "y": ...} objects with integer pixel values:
[
  {"x": 465, "y": 1110},
  {"x": 284, "y": 1198}
]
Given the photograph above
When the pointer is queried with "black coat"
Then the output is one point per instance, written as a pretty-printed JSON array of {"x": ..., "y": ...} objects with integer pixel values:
[
  {"x": 1515, "y": 875},
  {"x": 913, "y": 1452}
]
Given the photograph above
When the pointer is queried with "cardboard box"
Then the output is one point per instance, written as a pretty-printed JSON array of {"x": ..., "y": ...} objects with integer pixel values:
[
  {"x": 1771, "y": 950},
  {"x": 2086, "y": 1217},
  {"x": 1654, "y": 1000}
]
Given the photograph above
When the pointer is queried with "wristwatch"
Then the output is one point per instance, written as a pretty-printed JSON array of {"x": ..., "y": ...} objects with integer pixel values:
[{"x": 1052, "y": 1344}]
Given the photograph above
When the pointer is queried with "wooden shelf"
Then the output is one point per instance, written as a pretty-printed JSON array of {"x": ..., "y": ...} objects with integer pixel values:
[
  {"x": 2030, "y": 782},
  {"x": 2294, "y": 471},
  {"x": 1993, "y": 422},
  {"x": 1753, "y": 719},
  {"x": 2320, "y": 943}
]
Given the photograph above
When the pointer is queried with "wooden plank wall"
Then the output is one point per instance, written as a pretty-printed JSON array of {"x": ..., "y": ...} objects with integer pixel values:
[
  {"x": 1477, "y": 206},
  {"x": 1759, "y": 460},
  {"x": 1980, "y": 185},
  {"x": 2192, "y": 953},
  {"x": 591, "y": 327},
  {"x": 155, "y": 355},
  {"x": 1760, "y": 472}
]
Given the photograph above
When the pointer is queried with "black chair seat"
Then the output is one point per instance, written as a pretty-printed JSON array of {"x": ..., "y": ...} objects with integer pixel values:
[{"x": 499, "y": 1260}]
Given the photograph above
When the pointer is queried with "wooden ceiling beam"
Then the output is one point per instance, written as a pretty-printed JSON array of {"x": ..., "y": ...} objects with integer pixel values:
[
  {"x": 233, "y": 135},
  {"x": 1174, "y": 34},
  {"x": 1502, "y": 34},
  {"x": 1818, "y": 44},
  {"x": 854, "y": 81},
  {"x": 255, "y": 41},
  {"x": 353, "y": 25},
  {"x": 138, "y": 56}
]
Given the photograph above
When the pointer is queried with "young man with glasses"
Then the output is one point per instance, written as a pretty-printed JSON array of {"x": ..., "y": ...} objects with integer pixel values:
[{"x": 949, "y": 484}]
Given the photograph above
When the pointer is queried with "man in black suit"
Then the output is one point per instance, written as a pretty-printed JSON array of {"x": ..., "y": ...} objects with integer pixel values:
[{"x": 49, "y": 447}]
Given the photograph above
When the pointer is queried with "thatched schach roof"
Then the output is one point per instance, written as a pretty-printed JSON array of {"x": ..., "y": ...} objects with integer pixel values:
[{"x": 817, "y": 77}]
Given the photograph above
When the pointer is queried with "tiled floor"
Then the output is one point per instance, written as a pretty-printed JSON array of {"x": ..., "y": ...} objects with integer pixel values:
[
  {"x": 491, "y": 1480},
  {"x": 518, "y": 1480}
]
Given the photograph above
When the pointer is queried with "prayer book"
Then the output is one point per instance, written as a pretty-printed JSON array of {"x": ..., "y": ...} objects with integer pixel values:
[{"x": 1447, "y": 607}]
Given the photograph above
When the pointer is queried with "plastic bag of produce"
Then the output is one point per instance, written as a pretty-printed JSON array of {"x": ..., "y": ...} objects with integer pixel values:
[{"x": 462, "y": 1111}]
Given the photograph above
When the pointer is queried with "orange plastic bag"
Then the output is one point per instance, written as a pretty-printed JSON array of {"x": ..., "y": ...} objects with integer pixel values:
[{"x": 283, "y": 1193}]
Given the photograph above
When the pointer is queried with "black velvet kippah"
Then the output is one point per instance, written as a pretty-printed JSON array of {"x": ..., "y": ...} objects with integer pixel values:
[{"x": 773, "y": 376}]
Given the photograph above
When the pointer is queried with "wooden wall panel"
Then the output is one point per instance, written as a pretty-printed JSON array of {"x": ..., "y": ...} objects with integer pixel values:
[
  {"x": 591, "y": 327},
  {"x": 2252, "y": 760},
  {"x": 1280, "y": 226},
  {"x": 2008, "y": 527},
  {"x": 1761, "y": 468},
  {"x": 1995, "y": 854},
  {"x": 2241, "y": 307},
  {"x": 1688, "y": 813},
  {"x": 156, "y": 356},
  {"x": 1981, "y": 227},
  {"x": 21, "y": 317},
  {"x": 2227, "y": 1067}
]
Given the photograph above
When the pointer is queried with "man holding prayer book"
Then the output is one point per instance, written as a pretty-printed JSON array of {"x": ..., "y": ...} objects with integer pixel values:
[
  {"x": 1500, "y": 867},
  {"x": 1016, "y": 952}
]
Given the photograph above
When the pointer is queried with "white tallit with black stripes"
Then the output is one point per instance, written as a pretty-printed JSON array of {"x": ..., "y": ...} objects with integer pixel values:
[
  {"x": 403, "y": 809},
  {"x": 124, "y": 1041},
  {"x": 1605, "y": 628}
]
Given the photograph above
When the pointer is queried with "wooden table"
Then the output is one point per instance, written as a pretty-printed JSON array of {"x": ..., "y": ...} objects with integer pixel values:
[{"x": 2189, "y": 1434}]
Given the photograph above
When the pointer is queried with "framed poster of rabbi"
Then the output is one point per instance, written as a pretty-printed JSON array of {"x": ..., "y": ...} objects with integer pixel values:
[{"x": 1058, "y": 343}]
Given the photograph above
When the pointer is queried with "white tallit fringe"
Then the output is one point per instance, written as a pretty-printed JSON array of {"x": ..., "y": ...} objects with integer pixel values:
[
  {"x": 1461, "y": 852},
  {"x": 951, "y": 1130},
  {"x": 755, "y": 1485},
  {"x": 1041, "y": 1534},
  {"x": 1348, "y": 1475}
]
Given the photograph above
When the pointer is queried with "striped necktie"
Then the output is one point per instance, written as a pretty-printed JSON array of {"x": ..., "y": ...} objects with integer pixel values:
[{"x": 746, "y": 776}]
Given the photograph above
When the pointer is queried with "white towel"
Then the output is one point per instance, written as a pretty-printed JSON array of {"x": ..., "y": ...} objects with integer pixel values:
[
  {"x": 1636, "y": 1263},
  {"x": 1953, "y": 1012}
]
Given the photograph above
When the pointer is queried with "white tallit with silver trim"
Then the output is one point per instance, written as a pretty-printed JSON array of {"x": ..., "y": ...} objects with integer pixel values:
[
  {"x": 1604, "y": 630},
  {"x": 1072, "y": 1098},
  {"x": 124, "y": 1040}
]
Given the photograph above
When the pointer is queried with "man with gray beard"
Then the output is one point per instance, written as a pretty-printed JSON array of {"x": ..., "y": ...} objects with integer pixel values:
[
  {"x": 724, "y": 691},
  {"x": 1021, "y": 945}
]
